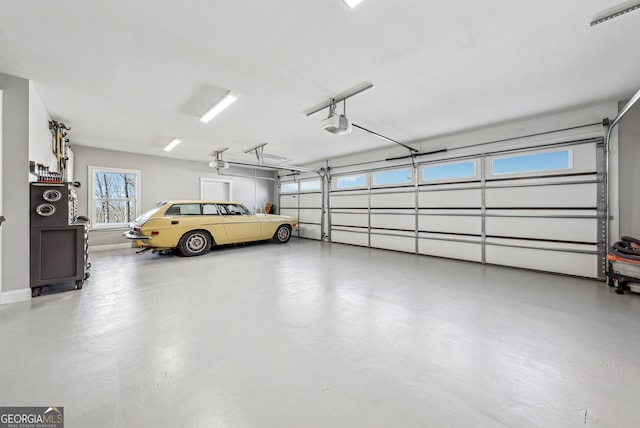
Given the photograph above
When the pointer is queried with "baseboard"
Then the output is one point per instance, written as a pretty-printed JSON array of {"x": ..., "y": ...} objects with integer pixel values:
[
  {"x": 109, "y": 247},
  {"x": 15, "y": 296}
]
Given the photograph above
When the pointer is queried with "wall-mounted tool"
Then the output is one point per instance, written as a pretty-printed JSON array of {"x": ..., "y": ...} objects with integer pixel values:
[{"x": 60, "y": 144}]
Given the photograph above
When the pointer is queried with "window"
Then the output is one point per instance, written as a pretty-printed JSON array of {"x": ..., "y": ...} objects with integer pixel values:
[
  {"x": 147, "y": 214},
  {"x": 395, "y": 176},
  {"x": 173, "y": 210},
  {"x": 233, "y": 209},
  {"x": 209, "y": 209},
  {"x": 310, "y": 185},
  {"x": 289, "y": 187},
  {"x": 349, "y": 181},
  {"x": 545, "y": 161},
  {"x": 114, "y": 196},
  {"x": 449, "y": 171},
  {"x": 183, "y": 209}
]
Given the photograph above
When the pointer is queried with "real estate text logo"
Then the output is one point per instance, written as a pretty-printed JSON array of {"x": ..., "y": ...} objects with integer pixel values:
[{"x": 32, "y": 417}]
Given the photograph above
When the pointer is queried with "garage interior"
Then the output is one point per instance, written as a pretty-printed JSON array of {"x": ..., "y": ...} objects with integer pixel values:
[{"x": 459, "y": 173}]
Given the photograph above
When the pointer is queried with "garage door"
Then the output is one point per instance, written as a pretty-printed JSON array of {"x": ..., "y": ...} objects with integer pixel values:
[
  {"x": 302, "y": 199},
  {"x": 540, "y": 208}
]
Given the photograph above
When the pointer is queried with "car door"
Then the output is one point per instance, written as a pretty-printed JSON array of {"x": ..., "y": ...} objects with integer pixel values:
[
  {"x": 212, "y": 221},
  {"x": 239, "y": 223}
]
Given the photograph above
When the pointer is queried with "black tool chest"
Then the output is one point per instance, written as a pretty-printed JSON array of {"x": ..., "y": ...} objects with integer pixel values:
[{"x": 59, "y": 238}]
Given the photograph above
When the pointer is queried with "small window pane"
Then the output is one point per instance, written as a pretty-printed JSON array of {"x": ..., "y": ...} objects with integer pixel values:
[
  {"x": 310, "y": 185},
  {"x": 147, "y": 214},
  {"x": 351, "y": 181},
  {"x": 209, "y": 209},
  {"x": 291, "y": 187},
  {"x": 114, "y": 185},
  {"x": 234, "y": 209},
  {"x": 184, "y": 209},
  {"x": 396, "y": 176},
  {"x": 109, "y": 211},
  {"x": 449, "y": 171},
  {"x": 241, "y": 209},
  {"x": 173, "y": 210},
  {"x": 532, "y": 162}
]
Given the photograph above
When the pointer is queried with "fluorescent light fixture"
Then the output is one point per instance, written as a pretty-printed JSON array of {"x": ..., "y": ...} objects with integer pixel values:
[
  {"x": 352, "y": 3},
  {"x": 615, "y": 11},
  {"x": 172, "y": 144},
  {"x": 225, "y": 102}
]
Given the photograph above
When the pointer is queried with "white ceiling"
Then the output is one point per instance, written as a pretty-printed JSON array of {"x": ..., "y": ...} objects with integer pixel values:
[{"x": 128, "y": 75}]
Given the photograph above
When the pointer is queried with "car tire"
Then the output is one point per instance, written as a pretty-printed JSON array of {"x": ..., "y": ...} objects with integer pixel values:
[
  {"x": 195, "y": 243},
  {"x": 283, "y": 234}
]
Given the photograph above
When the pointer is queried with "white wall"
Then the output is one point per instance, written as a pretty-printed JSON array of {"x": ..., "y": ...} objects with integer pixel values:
[
  {"x": 15, "y": 188},
  {"x": 1, "y": 180},
  {"x": 165, "y": 179},
  {"x": 40, "y": 138},
  {"x": 629, "y": 135}
]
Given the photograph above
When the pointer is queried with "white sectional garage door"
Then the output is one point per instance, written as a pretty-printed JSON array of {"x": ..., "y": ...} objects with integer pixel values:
[
  {"x": 554, "y": 222},
  {"x": 303, "y": 200},
  {"x": 350, "y": 217},
  {"x": 540, "y": 208}
]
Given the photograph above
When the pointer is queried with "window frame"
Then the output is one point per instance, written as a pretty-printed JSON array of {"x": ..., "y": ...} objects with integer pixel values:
[
  {"x": 475, "y": 176},
  {"x": 391, "y": 170},
  {"x": 336, "y": 180},
  {"x": 92, "y": 170},
  {"x": 223, "y": 209},
  {"x": 180, "y": 204},
  {"x": 284, "y": 183},
  {"x": 533, "y": 172},
  {"x": 312, "y": 180},
  {"x": 217, "y": 207}
]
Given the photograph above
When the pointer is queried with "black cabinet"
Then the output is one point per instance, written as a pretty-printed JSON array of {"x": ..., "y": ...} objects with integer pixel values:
[
  {"x": 58, "y": 242},
  {"x": 57, "y": 255}
]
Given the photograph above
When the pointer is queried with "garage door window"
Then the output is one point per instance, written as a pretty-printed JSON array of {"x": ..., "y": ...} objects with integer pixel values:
[
  {"x": 533, "y": 162},
  {"x": 310, "y": 185},
  {"x": 114, "y": 194},
  {"x": 449, "y": 171},
  {"x": 392, "y": 177},
  {"x": 290, "y": 187},
  {"x": 351, "y": 181}
]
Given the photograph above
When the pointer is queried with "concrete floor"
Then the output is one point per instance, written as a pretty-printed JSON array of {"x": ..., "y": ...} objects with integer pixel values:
[{"x": 323, "y": 335}]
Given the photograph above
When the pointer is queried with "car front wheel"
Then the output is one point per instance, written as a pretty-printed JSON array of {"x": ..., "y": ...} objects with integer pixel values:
[
  {"x": 195, "y": 243},
  {"x": 283, "y": 234}
]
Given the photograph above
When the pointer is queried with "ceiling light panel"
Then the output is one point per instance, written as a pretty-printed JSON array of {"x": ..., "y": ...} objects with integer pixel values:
[
  {"x": 352, "y": 3},
  {"x": 615, "y": 11},
  {"x": 218, "y": 107},
  {"x": 172, "y": 145}
]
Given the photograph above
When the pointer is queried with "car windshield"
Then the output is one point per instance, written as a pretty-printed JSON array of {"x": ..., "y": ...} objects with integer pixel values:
[{"x": 142, "y": 218}]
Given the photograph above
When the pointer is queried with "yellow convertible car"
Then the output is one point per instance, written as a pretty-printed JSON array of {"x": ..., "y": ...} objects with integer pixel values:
[{"x": 194, "y": 227}]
